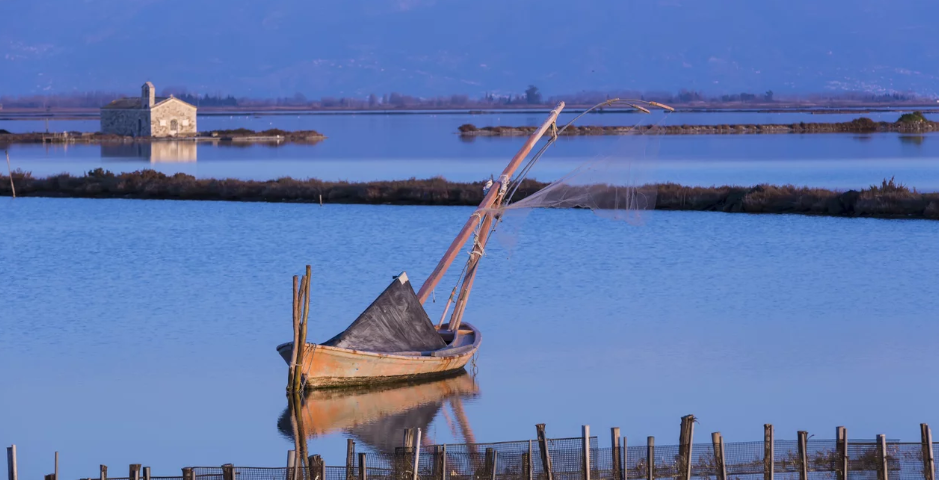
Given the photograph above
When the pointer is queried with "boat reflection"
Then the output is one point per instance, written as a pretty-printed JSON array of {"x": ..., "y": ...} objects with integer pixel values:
[
  {"x": 377, "y": 416},
  {"x": 156, "y": 152}
]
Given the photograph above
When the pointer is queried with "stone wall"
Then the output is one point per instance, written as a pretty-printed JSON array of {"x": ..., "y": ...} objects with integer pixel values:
[
  {"x": 165, "y": 113},
  {"x": 134, "y": 122}
]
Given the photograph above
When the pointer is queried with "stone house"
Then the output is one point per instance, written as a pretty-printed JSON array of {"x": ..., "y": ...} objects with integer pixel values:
[{"x": 149, "y": 116}]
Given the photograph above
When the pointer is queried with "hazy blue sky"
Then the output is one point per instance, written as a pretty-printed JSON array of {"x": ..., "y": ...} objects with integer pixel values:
[{"x": 429, "y": 47}]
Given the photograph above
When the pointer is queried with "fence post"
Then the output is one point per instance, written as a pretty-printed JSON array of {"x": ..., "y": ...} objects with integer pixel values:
[
  {"x": 617, "y": 459},
  {"x": 57, "y": 466},
  {"x": 530, "y": 463},
  {"x": 803, "y": 455},
  {"x": 650, "y": 458},
  {"x": 134, "y": 472},
  {"x": 526, "y": 466},
  {"x": 684, "y": 446},
  {"x": 440, "y": 462},
  {"x": 11, "y": 461},
  {"x": 545, "y": 455},
  {"x": 769, "y": 452},
  {"x": 317, "y": 468},
  {"x": 929, "y": 460},
  {"x": 228, "y": 471},
  {"x": 491, "y": 461},
  {"x": 363, "y": 475},
  {"x": 718, "y": 443},
  {"x": 291, "y": 464},
  {"x": 103, "y": 472},
  {"x": 350, "y": 459},
  {"x": 585, "y": 451},
  {"x": 417, "y": 453},
  {"x": 625, "y": 461},
  {"x": 146, "y": 473},
  {"x": 841, "y": 434},
  {"x": 882, "y": 458},
  {"x": 187, "y": 474}
]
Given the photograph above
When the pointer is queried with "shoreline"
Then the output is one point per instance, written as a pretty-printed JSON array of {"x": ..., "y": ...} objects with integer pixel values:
[
  {"x": 887, "y": 201},
  {"x": 241, "y": 136},
  {"x": 908, "y": 123}
]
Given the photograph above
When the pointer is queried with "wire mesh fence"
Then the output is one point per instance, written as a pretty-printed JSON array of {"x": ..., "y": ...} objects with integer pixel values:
[{"x": 523, "y": 460}]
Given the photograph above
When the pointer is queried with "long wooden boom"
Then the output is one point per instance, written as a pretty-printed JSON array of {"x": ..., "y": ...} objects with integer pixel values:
[{"x": 494, "y": 195}]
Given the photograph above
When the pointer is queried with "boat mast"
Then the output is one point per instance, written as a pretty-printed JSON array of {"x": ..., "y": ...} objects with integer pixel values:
[{"x": 494, "y": 197}]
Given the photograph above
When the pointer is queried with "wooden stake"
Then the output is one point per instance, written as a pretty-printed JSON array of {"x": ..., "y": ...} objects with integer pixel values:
[
  {"x": 10, "y": 171},
  {"x": 882, "y": 459},
  {"x": 228, "y": 472},
  {"x": 187, "y": 474},
  {"x": 296, "y": 334},
  {"x": 134, "y": 472},
  {"x": 146, "y": 473},
  {"x": 417, "y": 453},
  {"x": 493, "y": 466},
  {"x": 350, "y": 458},
  {"x": 769, "y": 452},
  {"x": 545, "y": 455},
  {"x": 440, "y": 462},
  {"x": 841, "y": 448},
  {"x": 650, "y": 458},
  {"x": 530, "y": 464},
  {"x": 685, "y": 440},
  {"x": 319, "y": 468},
  {"x": 803, "y": 455},
  {"x": 617, "y": 455},
  {"x": 718, "y": 443},
  {"x": 625, "y": 460},
  {"x": 57, "y": 466},
  {"x": 363, "y": 471},
  {"x": 292, "y": 460},
  {"x": 103, "y": 475},
  {"x": 585, "y": 451},
  {"x": 321, "y": 199},
  {"x": 303, "y": 325},
  {"x": 929, "y": 461},
  {"x": 11, "y": 463}
]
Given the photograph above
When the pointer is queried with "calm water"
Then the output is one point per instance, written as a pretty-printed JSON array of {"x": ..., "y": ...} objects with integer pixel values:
[
  {"x": 372, "y": 147},
  {"x": 144, "y": 331}
]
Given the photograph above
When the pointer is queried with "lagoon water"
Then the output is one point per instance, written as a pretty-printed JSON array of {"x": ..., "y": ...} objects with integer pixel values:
[
  {"x": 382, "y": 147},
  {"x": 144, "y": 331}
]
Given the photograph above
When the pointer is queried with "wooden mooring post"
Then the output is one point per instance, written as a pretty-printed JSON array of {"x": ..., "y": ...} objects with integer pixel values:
[
  {"x": 585, "y": 452},
  {"x": 841, "y": 449},
  {"x": 188, "y": 474},
  {"x": 882, "y": 458},
  {"x": 717, "y": 441},
  {"x": 317, "y": 468},
  {"x": 929, "y": 460},
  {"x": 650, "y": 458},
  {"x": 103, "y": 472},
  {"x": 11, "y": 463},
  {"x": 803, "y": 455},
  {"x": 133, "y": 472},
  {"x": 769, "y": 452},
  {"x": 363, "y": 470},
  {"x": 617, "y": 454},
  {"x": 228, "y": 471},
  {"x": 685, "y": 441},
  {"x": 545, "y": 455},
  {"x": 146, "y": 473}
]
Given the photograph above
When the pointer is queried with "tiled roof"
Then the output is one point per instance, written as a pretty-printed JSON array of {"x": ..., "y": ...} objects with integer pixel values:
[{"x": 130, "y": 103}]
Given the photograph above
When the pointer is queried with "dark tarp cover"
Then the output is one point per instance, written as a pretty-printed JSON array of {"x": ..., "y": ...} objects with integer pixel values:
[{"x": 394, "y": 322}]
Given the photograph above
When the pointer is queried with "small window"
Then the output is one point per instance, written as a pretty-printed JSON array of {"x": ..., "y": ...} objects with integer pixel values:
[{"x": 173, "y": 125}]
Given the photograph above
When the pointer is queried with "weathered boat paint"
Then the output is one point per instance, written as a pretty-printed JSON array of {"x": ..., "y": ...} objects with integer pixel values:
[{"x": 325, "y": 366}]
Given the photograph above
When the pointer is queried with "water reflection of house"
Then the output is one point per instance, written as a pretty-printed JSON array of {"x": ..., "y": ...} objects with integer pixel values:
[{"x": 156, "y": 152}]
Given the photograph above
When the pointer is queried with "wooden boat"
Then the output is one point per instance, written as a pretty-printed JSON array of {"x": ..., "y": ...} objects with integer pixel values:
[
  {"x": 376, "y": 415},
  {"x": 394, "y": 339}
]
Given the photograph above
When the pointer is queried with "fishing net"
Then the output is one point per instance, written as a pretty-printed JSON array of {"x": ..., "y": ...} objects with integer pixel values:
[{"x": 618, "y": 183}]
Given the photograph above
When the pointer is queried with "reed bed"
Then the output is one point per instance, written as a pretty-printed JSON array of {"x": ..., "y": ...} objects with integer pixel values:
[{"x": 885, "y": 200}]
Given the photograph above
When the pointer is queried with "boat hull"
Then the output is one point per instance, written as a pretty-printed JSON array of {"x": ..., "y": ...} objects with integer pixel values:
[{"x": 325, "y": 366}]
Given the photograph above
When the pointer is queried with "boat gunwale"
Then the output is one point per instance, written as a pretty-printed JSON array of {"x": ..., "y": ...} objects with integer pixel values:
[{"x": 464, "y": 350}]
